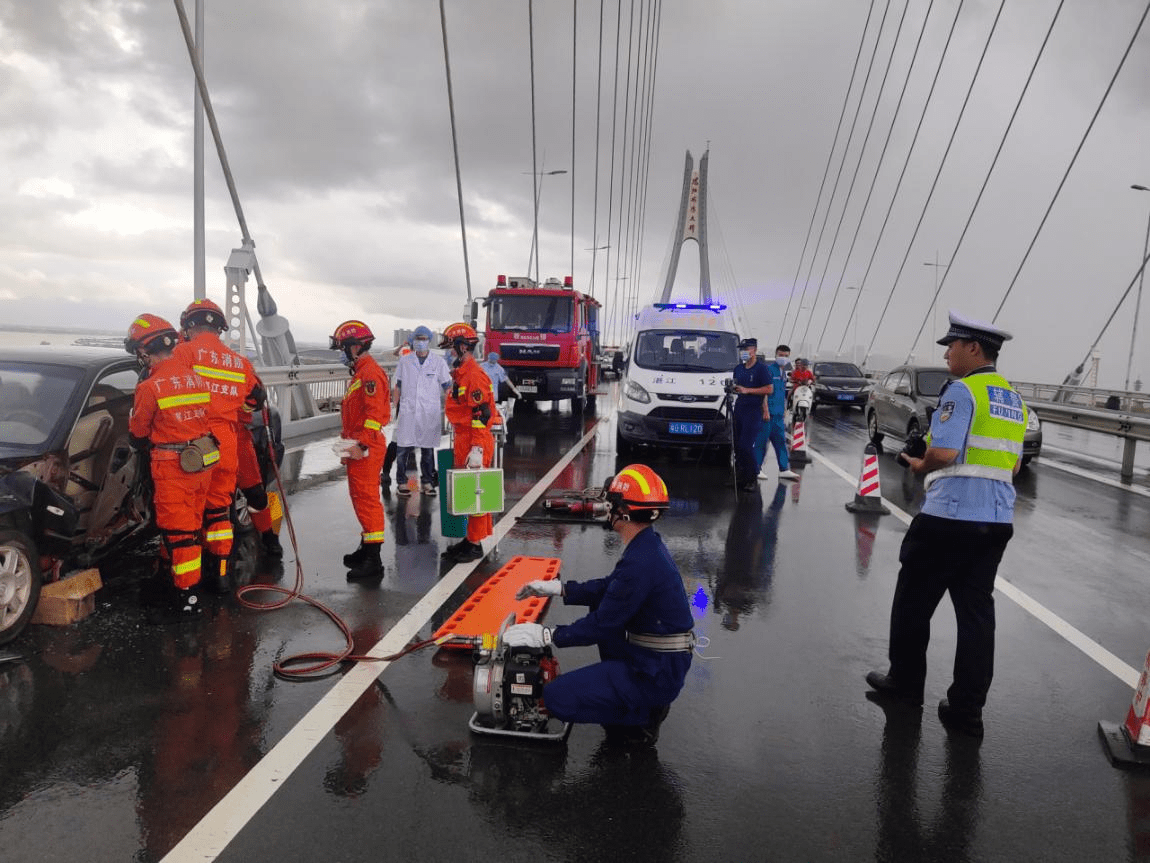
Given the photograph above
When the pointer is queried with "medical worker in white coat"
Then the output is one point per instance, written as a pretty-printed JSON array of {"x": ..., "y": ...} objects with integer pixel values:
[{"x": 420, "y": 380}]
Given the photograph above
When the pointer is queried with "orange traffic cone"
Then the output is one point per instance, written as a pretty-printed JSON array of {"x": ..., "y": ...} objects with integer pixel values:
[
  {"x": 1128, "y": 745},
  {"x": 799, "y": 455},
  {"x": 868, "y": 498}
]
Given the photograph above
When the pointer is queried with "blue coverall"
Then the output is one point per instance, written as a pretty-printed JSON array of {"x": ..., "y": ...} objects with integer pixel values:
[
  {"x": 643, "y": 594},
  {"x": 748, "y": 419},
  {"x": 775, "y": 431}
]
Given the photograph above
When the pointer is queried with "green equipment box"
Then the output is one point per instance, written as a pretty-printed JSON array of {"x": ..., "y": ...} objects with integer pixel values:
[{"x": 475, "y": 492}]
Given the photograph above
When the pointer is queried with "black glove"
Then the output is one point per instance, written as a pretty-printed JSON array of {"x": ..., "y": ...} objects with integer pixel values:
[
  {"x": 255, "y": 399},
  {"x": 140, "y": 444},
  {"x": 482, "y": 413}
]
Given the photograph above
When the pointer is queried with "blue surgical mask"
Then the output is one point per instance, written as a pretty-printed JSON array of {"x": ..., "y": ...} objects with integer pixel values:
[
  {"x": 782, "y": 361},
  {"x": 744, "y": 356},
  {"x": 422, "y": 346}
]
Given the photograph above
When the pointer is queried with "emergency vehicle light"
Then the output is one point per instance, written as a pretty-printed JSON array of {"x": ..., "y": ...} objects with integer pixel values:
[
  {"x": 501, "y": 281},
  {"x": 711, "y": 307},
  {"x": 568, "y": 281}
]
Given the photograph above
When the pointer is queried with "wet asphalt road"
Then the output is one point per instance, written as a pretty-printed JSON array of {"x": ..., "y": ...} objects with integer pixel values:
[{"x": 119, "y": 737}]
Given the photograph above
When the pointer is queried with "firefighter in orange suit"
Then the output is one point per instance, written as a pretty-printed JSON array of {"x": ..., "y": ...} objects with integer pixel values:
[
  {"x": 471, "y": 411},
  {"x": 169, "y": 414},
  {"x": 366, "y": 410},
  {"x": 236, "y": 391}
]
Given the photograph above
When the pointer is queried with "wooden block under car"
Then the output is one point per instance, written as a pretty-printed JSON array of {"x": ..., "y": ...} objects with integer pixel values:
[{"x": 68, "y": 600}]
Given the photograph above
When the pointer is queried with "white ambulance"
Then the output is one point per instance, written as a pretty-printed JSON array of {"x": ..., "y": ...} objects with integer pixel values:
[{"x": 672, "y": 392}]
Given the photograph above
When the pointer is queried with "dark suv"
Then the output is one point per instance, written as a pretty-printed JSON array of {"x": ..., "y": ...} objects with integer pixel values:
[
  {"x": 902, "y": 401},
  {"x": 839, "y": 384}
]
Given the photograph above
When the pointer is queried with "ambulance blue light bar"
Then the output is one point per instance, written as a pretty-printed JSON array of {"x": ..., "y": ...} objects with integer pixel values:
[{"x": 713, "y": 307}]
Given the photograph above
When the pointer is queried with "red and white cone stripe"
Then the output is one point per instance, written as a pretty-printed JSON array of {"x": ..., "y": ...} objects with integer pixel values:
[
  {"x": 799, "y": 437},
  {"x": 869, "y": 479},
  {"x": 1138, "y": 717}
]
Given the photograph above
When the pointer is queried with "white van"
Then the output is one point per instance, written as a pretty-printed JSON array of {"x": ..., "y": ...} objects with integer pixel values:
[{"x": 680, "y": 356}]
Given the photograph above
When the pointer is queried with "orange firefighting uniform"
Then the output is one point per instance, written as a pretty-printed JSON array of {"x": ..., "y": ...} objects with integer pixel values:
[
  {"x": 250, "y": 480},
  {"x": 232, "y": 380},
  {"x": 171, "y": 409},
  {"x": 472, "y": 389},
  {"x": 366, "y": 410}
]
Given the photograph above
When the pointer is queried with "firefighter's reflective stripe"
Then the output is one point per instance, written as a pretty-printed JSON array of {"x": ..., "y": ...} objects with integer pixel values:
[
  {"x": 220, "y": 374},
  {"x": 374, "y": 536},
  {"x": 210, "y": 458},
  {"x": 644, "y": 486},
  {"x": 192, "y": 565},
  {"x": 478, "y": 424},
  {"x": 218, "y": 535},
  {"x": 166, "y": 402},
  {"x": 353, "y": 386},
  {"x": 372, "y": 424}
]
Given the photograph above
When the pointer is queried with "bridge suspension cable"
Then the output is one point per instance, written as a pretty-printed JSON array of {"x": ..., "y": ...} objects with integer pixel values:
[
  {"x": 990, "y": 170},
  {"x": 455, "y": 150},
  {"x": 1073, "y": 159},
  {"x": 826, "y": 171},
  {"x": 938, "y": 173},
  {"x": 839, "y": 172}
]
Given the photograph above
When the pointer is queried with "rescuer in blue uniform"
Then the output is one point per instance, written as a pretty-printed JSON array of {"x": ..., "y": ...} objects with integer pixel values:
[
  {"x": 774, "y": 428},
  {"x": 640, "y": 618},
  {"x": 752, "y": 382},
  {"x": 956, "y": 541}
]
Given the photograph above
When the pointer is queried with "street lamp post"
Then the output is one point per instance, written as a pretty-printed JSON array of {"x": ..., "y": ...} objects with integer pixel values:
[
  {"x": 937, "y": 266},
  {"x": 1138, "y": 296},
  {"x": 535, "y": 235}
]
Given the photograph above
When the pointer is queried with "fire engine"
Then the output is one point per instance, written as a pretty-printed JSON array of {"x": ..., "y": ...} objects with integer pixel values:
[{"x": 547, "y": 337}]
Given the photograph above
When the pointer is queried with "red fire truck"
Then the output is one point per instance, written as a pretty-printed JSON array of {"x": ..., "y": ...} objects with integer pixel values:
[{"x": 547, "y": 337}]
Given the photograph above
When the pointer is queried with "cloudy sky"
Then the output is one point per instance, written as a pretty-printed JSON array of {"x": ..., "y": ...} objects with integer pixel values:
[{"x": 335, "y": 118}]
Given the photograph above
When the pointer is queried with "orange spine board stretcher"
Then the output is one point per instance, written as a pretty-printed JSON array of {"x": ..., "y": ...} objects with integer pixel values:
[{"x": 487, "y": 608}]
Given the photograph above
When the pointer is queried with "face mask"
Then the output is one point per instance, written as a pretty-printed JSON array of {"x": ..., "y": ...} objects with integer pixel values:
[
  {"x": 744, "y": 356},
  {"x": 421, "y": 347},
  {"x": 782, "y": 361}
]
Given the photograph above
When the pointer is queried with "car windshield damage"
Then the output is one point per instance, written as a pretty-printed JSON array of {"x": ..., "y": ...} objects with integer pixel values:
[
  {"x": 837, "y": 370},
  {"x": 531, "y": 314},
  {"x": 32, "y": 401},
  {"x": 676, "y": 350},
  {"x": 930, "y": 383}
]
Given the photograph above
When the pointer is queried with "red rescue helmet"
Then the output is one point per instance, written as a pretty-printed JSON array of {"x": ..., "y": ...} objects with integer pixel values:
[
  {"x": 203, "y": 313},
  {"x": 637, "y": 490},
  {"x": 352, "y": 333},
  {"x": 459, "y": 333},
  {"x": 149, "y": 334}
]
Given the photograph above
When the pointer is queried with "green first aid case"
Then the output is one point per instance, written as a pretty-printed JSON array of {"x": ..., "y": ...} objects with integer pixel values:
[
  {"x": 475, "y": 492},
  {"x": 454, "y": 526}
]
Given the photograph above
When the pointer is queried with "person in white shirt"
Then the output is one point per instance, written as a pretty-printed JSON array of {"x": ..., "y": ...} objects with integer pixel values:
[{"x": 421, "y": 378}]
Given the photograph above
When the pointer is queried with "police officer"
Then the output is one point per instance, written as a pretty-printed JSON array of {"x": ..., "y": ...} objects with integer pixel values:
[
  {"x": 640, "y": 619},
  {"x": 956, "y": 541},
  {"x": 751, "y": 382},
  {"x": 236, "y": 392},
  {"x": 471, "y": 411},
  {"x": 366, "y": 409},
  {"x": 169, "y": 414}
]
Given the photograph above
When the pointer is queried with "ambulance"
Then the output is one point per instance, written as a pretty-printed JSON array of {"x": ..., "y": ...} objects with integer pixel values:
[{"x": 675, "y": 381}]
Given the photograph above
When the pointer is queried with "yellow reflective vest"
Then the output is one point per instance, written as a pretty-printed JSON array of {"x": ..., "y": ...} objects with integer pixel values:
[{"x": 994, "y": 441}]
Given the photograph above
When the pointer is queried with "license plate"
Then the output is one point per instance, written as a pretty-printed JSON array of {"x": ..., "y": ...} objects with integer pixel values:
[
  {"x": 846, "y": 397},
  {"x": 685, "y": 428},
  {"x": 526, "y": 387}
]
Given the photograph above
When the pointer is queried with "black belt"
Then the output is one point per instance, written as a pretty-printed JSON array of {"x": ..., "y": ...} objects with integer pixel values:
[{"x": 663, "y": 643}]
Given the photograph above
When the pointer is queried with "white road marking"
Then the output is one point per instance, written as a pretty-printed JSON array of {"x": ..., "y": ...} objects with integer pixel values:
[
  {"x": 1091, "y": 648},
  {"x": 227, "y": 818},
  {"x": 1086, "y": 474}
]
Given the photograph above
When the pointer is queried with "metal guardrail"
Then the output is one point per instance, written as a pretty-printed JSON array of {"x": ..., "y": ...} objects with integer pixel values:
[
  {"x": 1114, "y": 412},
  {"x": 324, "y": 384}
]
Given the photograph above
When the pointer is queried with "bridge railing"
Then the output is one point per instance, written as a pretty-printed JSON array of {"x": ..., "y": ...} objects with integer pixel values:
[
  {"x": 1115, "y": 412},
  {"x": 324, "y": 383}
]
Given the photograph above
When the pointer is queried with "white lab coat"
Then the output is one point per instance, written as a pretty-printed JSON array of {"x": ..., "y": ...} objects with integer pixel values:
[{"x": 420, "y": 418}]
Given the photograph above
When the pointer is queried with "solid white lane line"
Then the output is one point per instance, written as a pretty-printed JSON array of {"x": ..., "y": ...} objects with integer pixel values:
[
  {"x": 226, "y": 819},
  {"x": 1086, "y": 474},
  {"x": 1087, "y": 645}
]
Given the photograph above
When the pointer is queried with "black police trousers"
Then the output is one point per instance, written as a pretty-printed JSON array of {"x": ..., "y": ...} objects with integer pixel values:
[{"x": 941, "y": 555}]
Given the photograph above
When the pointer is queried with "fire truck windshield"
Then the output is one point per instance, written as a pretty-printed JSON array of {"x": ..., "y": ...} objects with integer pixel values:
[
  {"x": 537, "y": 314},
  {"x": 675, "y": 350}
]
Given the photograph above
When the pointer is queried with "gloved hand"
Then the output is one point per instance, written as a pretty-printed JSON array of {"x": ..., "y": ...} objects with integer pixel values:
[
  {"x": 550, "y": 587},
  {"x": 348, "y": 449},
  {"x": 475, "y": 457},
  {"x": 526, "y": 635}
]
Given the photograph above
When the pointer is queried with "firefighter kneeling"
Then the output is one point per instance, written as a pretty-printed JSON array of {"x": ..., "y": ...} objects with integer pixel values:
[{"x": 640, "y": 618}]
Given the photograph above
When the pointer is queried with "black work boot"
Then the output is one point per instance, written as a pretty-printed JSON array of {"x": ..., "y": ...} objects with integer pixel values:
[
  {"x": 354, "y": 559},
  {"x": 271, "y": 544},
  {"x": 369, "y": 565},
  {"x": 215, "y": 576}
]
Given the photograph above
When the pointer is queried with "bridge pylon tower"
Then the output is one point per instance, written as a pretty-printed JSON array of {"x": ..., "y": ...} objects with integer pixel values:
[{"x": 691, "y": 225}]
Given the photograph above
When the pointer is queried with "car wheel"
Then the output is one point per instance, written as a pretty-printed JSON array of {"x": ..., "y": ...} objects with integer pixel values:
[
  {"x": 872, "y": 428},
  {"x": 20, "y": 581}
]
